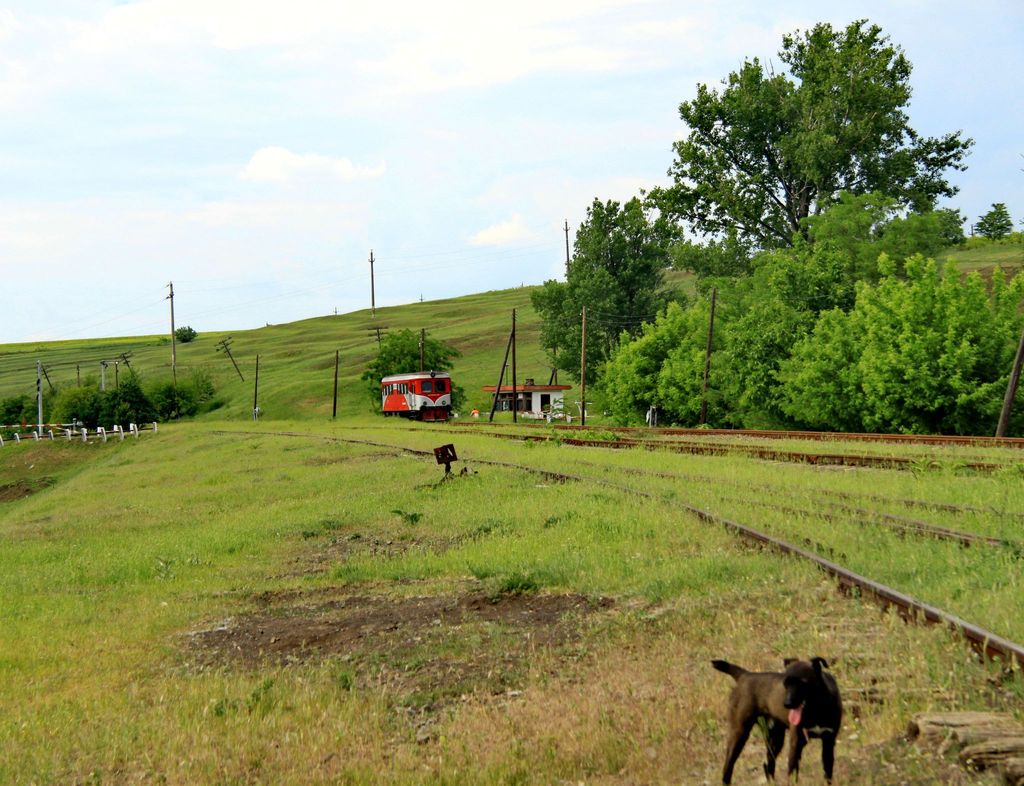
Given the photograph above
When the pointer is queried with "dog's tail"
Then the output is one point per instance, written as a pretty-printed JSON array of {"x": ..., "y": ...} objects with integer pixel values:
[{"x": 731, "y": 669}]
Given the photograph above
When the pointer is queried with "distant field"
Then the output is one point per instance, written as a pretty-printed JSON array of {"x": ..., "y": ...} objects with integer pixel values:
[
  {"x": 297, "y": 359},
  {"x": 289, "y": 603}
]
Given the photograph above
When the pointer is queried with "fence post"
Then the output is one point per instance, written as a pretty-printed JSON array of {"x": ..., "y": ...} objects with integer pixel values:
[
  {"x": 154, "y": 427},
  {"x": 51, "y": 435},
  {"x": 102, "y": 432},
  {"x": 17, "y": 437},
  {"x": 85, "y": 434},
  {"x": 67, "y": 433},
  {"x": 35, "y": 436},
  {"x": 1, "y": 441}
]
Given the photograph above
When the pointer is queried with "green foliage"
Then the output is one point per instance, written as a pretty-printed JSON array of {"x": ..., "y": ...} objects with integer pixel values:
[
  {"x": 127, "y": 404},
  {"x": 185, "y": 399},
  {"x": 616, "y": 271},
  {"x": 663, "y": 367},
  {"x": 17, "y": 409},
  {"x": 185, "y": 334},
  {"x": 400, "y": 353},
  {"x": 996, "y": 223},
  {"x": 79, "y": 404},
  {"x": 928, "y": 353},
  {"x": 769, "y": 150},
  {"x": 729, "y": 256}
]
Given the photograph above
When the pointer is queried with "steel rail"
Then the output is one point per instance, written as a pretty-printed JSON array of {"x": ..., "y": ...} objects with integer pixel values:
[
  {"x": 986, "y": 643},
  {"x": 820, "y": 436}
]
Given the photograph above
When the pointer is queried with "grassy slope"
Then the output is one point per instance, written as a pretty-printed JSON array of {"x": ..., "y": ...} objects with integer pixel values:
[{"x": 297, "y": 359}]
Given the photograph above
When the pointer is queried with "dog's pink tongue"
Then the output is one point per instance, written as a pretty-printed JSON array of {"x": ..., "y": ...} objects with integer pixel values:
[{"x": 795, "y": 715}]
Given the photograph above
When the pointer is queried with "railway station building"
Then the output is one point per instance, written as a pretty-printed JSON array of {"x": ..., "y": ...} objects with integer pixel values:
[{"x": 531, "y": 400}]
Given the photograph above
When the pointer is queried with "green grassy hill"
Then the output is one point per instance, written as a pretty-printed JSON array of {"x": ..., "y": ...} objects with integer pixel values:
[{"x": 297, "y": 359}]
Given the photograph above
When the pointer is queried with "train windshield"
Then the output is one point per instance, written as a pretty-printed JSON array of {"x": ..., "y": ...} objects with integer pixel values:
[
  {"x": 427, "y": 386},
  {"x": 439, "y": 386}
]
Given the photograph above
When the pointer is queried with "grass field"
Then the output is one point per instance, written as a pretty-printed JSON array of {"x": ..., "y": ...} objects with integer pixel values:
[
  {"x": 302, "y": 601},
  {"x": 223, "y": 603}
]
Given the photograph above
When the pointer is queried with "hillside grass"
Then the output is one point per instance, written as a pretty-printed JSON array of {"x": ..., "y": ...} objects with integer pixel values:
[
  {"x": 296, "y": 373},
  {"x": 115, "y": 571}
]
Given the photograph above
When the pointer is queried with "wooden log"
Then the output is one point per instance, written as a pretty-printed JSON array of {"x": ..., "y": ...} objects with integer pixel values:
[
  {"x": 992, "y": 753},
  {"x": 1014, "y": 771},
  {"x": 939, "y": 727}
]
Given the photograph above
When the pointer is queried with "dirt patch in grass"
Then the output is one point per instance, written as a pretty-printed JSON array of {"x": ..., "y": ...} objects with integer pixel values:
[
  {"x": 20, "y": 489},
  {"x": 16, "y": 490},
  {"x": 337, "y": 550},
  {"x": 429, "y": 649}
]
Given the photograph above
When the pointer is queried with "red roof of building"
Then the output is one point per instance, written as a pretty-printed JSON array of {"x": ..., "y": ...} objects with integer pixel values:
[{"x": 528, "y": 388}]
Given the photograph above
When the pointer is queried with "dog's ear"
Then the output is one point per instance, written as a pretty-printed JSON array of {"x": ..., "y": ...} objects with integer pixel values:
[
  {"x": 819, "y": 663},
  {"x": 787, "y": 661}
]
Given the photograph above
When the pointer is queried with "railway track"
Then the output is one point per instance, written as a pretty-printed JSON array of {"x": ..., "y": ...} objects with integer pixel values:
[
  {"x": 986, "y": 643},
  {"x": 816, "y": 436},
  {"x": 817, "y": 458}
]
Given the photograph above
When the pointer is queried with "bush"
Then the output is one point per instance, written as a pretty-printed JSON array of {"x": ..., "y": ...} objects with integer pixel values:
[
  {"x": 82, "y": 404},
  {"x": 185, "y": 334},
  {"x": 185, "y": 400},
  {"x": 17, "y": 409}
]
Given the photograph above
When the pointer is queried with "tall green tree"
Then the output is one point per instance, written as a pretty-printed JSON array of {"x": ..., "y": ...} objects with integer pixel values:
[
  {"x": 771, "y": 149},
  {"x": 400, "y": 354},
  {"x": 996, "y": 223},
  {"x": 620, "y": 255}
]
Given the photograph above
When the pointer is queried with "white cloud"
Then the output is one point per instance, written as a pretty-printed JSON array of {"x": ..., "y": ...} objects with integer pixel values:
[
  {"x": 280, "y": 165},
  {"x": 511, "y": 231}
]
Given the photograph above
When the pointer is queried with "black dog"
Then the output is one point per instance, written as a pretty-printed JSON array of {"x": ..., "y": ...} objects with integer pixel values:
[{"x": 803, "y": 698}]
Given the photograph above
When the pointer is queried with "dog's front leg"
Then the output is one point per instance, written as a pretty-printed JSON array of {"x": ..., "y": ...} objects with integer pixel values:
[
  {"x": 797, "y": 740},
  {"x": 775, "y": 738},
  {"x": 828, "y": 755}
]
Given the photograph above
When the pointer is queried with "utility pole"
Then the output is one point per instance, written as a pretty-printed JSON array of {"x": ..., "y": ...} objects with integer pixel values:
[
  {"x": 501, "y": 378},
  {"x": 707, "y": 359},
  {"x": 583, "y": 370},
  {"x": 515, "y": 393},
  {"x": 423, "y": 339},
  {"x": 373, "y": 295},
  {"x": 255, "y": 390},
  {"x": 103, "y": 375},
  {"x": 39, "y": 397},
  {"x": 224, "y": 345},
  {"x": 337, "y": 356},
  {"x": 45, "y": 371},
  {"x": 567, "y": 248},
  {"x": 174, "y": 350},
  {"x": 78, "y": 373},
  {"x": 378, "y": 329},
  {"x": 1011, "y": 390},
  {"x": 117, "y": 379},
  {"x": 124, "y": 359}
]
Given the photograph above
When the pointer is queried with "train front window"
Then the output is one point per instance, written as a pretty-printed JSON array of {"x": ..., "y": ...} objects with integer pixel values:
[
  {"x": 427, "y": 386},
  {"x": 439, "y": 386}
]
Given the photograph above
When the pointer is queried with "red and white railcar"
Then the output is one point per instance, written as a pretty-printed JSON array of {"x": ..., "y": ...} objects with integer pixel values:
[{"x": 421, "y": 395}]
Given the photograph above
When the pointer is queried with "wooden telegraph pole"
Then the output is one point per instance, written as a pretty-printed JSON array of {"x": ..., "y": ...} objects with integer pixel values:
[
  {"x": 501, "y": 378},
  {"x": 255, "y": 391},
  {"x": 1011, "y": 390},
  {"x": 567, "y": 248},
  {"x": 583, "y": 370},
  {"x": 334, "y": 411},
  {"x": 515, "y": 395},
  {"x": 174, "y": 351},
  {"x": 707, "y": 359},
  {"x": 423, "y": 340},
  {"x": 373, "y": 295}
]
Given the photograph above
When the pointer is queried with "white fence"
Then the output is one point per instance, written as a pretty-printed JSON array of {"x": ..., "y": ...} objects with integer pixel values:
[{"x": 30, "y": 432}]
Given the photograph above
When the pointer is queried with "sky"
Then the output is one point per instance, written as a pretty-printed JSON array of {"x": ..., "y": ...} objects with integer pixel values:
[{"x": 254, "y": 153}]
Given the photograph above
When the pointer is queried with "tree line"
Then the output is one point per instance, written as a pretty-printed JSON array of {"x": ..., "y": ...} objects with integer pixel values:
[{"x": 806, "y": 201}]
